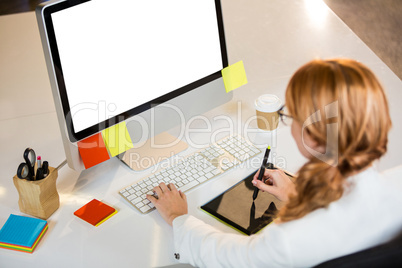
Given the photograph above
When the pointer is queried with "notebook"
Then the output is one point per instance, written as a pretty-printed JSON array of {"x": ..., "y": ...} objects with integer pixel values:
[
  {"x": 95, "y": 212},
  {"x": 22, "y": 233},
  {"x": 236, "y": 208}
]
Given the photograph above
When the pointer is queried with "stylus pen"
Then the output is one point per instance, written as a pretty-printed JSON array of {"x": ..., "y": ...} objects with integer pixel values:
[{"x": 262, "y": 170}]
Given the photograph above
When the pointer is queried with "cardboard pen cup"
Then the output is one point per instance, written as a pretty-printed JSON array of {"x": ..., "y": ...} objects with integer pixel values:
[{"x": 38, "y": 198}]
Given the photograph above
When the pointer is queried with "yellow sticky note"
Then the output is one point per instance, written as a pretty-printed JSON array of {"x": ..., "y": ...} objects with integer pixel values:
[
  {"x": 117, "y": 139},
  {"x": 234, "y": 76}
]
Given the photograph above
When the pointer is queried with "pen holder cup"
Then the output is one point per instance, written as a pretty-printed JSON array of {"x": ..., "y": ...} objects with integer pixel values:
[{"x": 38, "y": 198}]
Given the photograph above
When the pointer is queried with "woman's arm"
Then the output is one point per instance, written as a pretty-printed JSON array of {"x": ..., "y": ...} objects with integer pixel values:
[{"x": 202, "y": 245}]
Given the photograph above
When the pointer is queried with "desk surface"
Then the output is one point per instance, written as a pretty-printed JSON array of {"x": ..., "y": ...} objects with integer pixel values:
[{"x": 273, "y": 38}]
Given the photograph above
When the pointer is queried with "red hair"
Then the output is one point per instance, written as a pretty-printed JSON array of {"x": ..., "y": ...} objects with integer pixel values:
[{"x": 361, "y": 134}]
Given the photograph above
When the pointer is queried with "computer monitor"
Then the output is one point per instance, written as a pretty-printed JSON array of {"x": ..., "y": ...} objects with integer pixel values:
[{"x": 152, "y": 64}]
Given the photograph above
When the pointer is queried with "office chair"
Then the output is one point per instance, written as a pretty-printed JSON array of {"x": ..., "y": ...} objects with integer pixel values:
[{"x": 385, "y": 255}]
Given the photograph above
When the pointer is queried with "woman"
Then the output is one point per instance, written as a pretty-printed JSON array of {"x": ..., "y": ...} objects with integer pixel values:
[{"x": 339, "y": 203}]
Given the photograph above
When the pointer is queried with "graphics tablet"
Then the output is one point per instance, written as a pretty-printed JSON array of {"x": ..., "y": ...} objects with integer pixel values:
[{"x": 236, "y": 208}]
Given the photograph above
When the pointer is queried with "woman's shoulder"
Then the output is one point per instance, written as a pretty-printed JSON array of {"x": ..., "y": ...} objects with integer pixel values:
[
  {"x": 372, "y": 182},
  {"x": 368, "y": 194},
  {"x": 393, "y": 177},
  {"x": 365, "y": 215}
]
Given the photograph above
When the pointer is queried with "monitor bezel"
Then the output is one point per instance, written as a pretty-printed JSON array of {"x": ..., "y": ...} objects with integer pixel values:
[{"x": 58, "y": 71}]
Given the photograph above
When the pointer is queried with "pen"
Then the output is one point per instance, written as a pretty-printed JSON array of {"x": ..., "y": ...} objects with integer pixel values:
[
  {"x": 45, "y": 167},
  {"x": 262, "y": 170},
  {"x": 43, "y": 171}
]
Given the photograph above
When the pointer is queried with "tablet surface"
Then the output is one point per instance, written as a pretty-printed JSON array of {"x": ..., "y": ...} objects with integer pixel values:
[{"x": 236, "y": 208}]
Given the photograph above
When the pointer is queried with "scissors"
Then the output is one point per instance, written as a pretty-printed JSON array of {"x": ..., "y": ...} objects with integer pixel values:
[{"x": 26, "y": 170}]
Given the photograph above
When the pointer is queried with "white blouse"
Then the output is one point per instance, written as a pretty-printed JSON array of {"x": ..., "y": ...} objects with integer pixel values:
[{"x": 368, "y": 213}]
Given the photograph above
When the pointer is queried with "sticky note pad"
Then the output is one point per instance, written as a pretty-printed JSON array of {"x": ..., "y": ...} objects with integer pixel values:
[
  {"x": 95, "y": 212},
  {"x": 234, "y": 76},
  {"x": 22, "y": 233},
  {"x": 93, "y": 150},
  {"x": 117, "y": 139}
]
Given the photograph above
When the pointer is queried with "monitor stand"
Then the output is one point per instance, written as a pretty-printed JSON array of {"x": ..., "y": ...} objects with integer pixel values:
[{"x": 155, "y": 150}]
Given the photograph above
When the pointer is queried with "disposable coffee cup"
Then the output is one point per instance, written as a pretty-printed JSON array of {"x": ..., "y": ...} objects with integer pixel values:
[{"x": 267, "y": 107}]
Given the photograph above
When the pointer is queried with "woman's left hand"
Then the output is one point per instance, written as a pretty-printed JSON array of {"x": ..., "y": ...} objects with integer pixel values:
[{"x": 170, "y": 202}]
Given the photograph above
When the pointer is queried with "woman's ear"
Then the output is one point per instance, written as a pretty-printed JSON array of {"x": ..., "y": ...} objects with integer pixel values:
[
  {"x": 304, "y": 141},
  {"x": 313, "y": 145}
]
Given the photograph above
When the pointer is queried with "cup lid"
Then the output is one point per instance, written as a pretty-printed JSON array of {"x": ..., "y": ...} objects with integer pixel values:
[{"x": 268, "y": 103}]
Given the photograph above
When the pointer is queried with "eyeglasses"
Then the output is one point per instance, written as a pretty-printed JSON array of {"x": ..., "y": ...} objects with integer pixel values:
[{"x": 284, "y": 115}]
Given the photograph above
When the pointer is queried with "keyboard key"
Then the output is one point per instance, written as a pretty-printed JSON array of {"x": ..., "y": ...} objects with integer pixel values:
[
  {"x": 209, "y": 175},
  {"x": 215, "y": 172},
  {"x": 139, "y": 204},
  {"x": 202, "y": 179},
  {"x": 164, "y": 173},
  {"x": 145, "y": 208},
  {"x": 135, "y": 201},
  {"x": 209, "y": 169},
  {"x": 188, "y": 186}
]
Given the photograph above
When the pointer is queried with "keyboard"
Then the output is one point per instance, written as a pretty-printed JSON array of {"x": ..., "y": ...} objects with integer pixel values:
[{"x": 192, "y": 171}]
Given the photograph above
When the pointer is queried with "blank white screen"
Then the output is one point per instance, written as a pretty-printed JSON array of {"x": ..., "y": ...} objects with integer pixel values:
[{"x": 128, "y": 52}]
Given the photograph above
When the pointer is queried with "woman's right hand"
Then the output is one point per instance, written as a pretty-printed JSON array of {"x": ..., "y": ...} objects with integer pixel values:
[{"x": 275, "y": 182}]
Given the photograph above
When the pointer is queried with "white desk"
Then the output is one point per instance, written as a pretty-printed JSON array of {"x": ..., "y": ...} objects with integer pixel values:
[{"x": 273, "y": 38}]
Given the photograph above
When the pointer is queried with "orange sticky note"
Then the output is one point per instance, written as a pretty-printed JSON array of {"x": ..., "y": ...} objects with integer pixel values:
[
  {"x": 95, "y": 212},
  {"x": 93, "y": 150}
]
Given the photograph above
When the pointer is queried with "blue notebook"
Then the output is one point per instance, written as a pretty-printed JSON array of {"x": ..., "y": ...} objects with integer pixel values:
[{"x": 21, "y": 231}]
